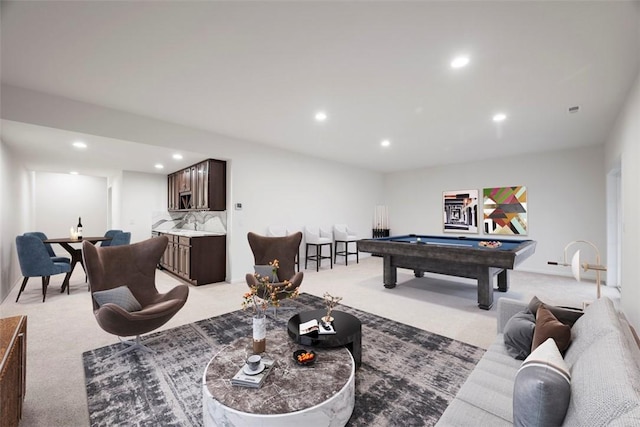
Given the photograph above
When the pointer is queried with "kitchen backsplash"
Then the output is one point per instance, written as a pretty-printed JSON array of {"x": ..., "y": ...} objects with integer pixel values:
[{"x": 209, "y": 221}]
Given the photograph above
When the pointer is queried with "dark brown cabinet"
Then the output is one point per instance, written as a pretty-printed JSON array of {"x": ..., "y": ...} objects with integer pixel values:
[
  {"x": 13, "y": 354},
  {"x": 172, "y": 187},
  {"x": 183, "y": 266},
  {"x": 198, "y": 260},
  {"x": 202, "y": 186},
  {"x": 185, "y": 180}
]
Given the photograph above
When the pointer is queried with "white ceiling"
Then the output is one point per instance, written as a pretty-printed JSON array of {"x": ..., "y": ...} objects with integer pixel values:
[{"x": 260, "y": 70}]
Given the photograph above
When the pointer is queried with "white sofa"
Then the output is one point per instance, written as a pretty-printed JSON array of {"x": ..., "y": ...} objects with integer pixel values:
[{"x": 603, "y": 359}]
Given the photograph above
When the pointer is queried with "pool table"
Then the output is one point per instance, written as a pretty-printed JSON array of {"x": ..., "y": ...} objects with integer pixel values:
[{"x": 455, "y": 256}]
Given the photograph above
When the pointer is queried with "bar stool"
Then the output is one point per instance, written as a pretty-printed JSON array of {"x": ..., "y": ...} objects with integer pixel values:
[
  {"x": 282, "y": 231},
  {"x": 342, "y": 234},
  {"x": 317, "y": 239}
]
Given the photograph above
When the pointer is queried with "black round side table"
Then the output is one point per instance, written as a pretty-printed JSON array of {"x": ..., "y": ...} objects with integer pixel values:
[{"x": 348, "y": 332}]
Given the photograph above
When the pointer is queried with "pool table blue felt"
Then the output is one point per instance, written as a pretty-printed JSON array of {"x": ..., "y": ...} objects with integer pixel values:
[{"x": 462, "y": 241}]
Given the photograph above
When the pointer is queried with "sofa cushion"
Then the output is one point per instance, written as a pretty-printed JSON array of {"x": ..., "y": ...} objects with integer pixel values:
[
  {"x": 497, "y": 354},
  {"x": 490, "y": 386},
  {"x": 631, "y": 418},
  {"x": 518, "y": 334},
  {"x": 120, "y": 296},
  {"x": 266, "y": 271},
  {"x": 600, "y": 318},
  {"x": 463, "y": 414},
  {"x": 548, "y": 326},
  {"x": 605, "y": 383},
  {"x": 542, "y": 388},
  {"x": 568, "y": 316}
]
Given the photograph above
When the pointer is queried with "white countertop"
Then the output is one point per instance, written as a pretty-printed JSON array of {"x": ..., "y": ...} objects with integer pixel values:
[{"x": 190, "y": 233}]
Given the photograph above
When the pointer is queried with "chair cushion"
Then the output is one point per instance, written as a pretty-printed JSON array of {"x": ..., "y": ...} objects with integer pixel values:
[
  {"x": 61, "y": 267},
  {"x": 120, "y": 296},
  {"x": 548, "y": 326},
  {"x": 518, "y": 334},
  {"x": 542, "y": 388},
  {"x": 266, "y": 271}
]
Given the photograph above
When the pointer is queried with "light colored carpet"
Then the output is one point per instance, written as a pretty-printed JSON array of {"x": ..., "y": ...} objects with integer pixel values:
[{"x": 62, "y": 328}]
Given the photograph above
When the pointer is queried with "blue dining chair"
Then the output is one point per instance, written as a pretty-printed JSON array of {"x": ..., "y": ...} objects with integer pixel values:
[
  {"x": 109, "y": 233},
  {"x": 55, "y": 258},
  {"x": 122, "y": 238},
  {"x": 35, "y": 262}
]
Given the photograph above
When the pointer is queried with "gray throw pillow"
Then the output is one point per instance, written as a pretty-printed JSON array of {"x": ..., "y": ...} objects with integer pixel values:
[
  {"x": 266, "y": 271},
  {"x": 542, "y": 388},
  {"x": 518, "y": 334},
  {"x": 120, "y": 296}
]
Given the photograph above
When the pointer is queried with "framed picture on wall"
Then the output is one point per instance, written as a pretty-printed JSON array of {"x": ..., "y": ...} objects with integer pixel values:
[
  {"x": 460, "y": 211},
  {"x": 505, "y": 210}
]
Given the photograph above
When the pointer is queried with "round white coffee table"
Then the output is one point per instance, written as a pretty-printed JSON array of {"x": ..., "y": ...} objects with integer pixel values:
[{"x": 322, "y": 394}]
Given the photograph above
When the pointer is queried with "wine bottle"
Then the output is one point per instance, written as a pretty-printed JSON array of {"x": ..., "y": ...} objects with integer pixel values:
[{"x": 79, "y": 228}]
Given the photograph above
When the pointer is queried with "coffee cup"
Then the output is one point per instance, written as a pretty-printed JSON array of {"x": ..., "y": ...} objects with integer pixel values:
[{"x": 253, "y": 361}]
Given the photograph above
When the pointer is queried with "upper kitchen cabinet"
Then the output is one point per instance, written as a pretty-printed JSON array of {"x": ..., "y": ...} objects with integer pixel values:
[
  {"x": 172, "y": 192},
  {"x": 202, "y": 186}
]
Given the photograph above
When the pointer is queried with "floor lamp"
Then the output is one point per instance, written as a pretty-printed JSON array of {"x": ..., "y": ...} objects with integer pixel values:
[{"x": 575, "y": 262}]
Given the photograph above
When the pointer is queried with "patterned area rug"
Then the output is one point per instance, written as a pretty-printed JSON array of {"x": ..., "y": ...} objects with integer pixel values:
[{"x": 408, "y": 376}]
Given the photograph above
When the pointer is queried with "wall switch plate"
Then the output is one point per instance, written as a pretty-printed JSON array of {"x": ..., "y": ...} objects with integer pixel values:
[{"x": 238, "y": 206}]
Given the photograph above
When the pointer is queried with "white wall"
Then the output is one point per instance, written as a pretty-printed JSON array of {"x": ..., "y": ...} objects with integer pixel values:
[
  {"x": 61, "y": 198},
  {"x": 565, "y": 199},
  {"x": 5, "y": 228},
  {"x": 142, "y": 194},
  {"x": 115, "y": 184},
  {"x": 623, "y": 148},
  {"x": 283, "y": 188},
  {"x": 16, "y": 214}
]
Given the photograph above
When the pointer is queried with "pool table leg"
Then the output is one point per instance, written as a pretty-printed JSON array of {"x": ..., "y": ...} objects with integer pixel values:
[
  {"x": 390, "y": 273},
  {"x": 485, "y": 288},
  {"x": 503, "y": 280}
]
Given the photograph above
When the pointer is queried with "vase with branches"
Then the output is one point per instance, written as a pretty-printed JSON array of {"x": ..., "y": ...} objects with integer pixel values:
[
  {"x": 330, "y": 302},
  {"x": 262, "y": 296}
]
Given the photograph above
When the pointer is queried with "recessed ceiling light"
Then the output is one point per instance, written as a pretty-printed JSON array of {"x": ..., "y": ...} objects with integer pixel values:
[
  {"x": 73, "y": 173},
  {"x": 321, "y": 116},
  {"x": 177, "y": 156},
  {"x": 385, "y": 143},
  {"x": 79, "y": 144},
  {"x": 159, "y": 166},
  {"x": 460, "y": 61},
  {"x": 499, "y": 117}
]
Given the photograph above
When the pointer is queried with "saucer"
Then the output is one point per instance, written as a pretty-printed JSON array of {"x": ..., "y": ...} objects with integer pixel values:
[{"x": 248, "y": 371}]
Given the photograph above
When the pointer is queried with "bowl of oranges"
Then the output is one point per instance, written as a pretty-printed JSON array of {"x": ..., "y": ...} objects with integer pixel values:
[{"x": 304, "y": 357}]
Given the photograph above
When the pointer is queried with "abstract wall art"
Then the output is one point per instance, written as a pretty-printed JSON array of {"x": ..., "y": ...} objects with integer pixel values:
[
  {"x": 460, "y": 211},
  {"x": 505, "y": 210}
]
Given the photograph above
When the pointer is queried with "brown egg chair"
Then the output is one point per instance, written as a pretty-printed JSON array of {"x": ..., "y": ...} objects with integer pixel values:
[
  {"x": 125, "y": 299},
  {"x": 285, "y": 250}
]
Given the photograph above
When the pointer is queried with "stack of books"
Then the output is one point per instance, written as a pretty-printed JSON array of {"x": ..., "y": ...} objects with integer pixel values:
[{"x": 241, "y": 378}]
